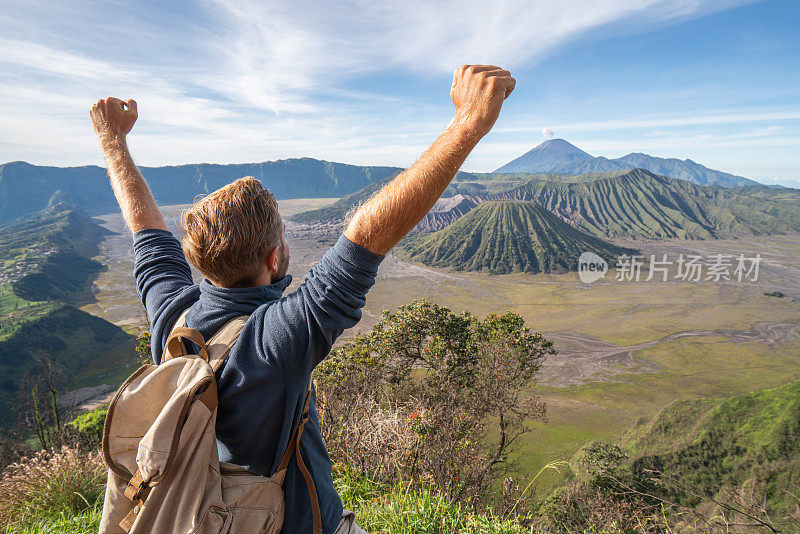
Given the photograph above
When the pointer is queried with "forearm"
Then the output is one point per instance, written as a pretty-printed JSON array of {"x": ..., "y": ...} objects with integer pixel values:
[
  {"x": 138, "y": 206},
  {"x": 397, "y": 208}
]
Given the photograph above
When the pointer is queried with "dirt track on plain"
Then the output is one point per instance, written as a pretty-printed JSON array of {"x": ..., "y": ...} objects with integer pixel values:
[{"x": 582, "y": 357}]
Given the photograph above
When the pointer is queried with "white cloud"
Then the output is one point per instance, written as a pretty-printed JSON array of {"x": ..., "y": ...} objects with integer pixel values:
[
  {"x": 278, "y": 52},
  {"x": 26, "y": 56}
]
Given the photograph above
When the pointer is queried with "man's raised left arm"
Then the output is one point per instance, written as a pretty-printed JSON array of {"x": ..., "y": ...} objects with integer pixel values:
[
  {"x": 159, "y": 266},
  {"x": 112, "y": 120}
]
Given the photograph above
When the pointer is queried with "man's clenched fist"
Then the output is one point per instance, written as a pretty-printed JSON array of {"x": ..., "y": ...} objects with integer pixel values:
[
  {"x": 478, "y": 93},
  {"x": 112, "y": 117}
]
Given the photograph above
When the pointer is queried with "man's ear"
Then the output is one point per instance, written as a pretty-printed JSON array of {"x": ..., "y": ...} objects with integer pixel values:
[{"x": 274, "y": 260}]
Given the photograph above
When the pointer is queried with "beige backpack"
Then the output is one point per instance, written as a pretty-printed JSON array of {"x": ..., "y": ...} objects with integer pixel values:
[{"x": 159, "y": 442}]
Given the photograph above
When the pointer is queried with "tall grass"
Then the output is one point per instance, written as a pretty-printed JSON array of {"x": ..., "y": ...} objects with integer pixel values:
[
  {"x": 52, "y": 491},
  {"x": 61, "y": 492}
]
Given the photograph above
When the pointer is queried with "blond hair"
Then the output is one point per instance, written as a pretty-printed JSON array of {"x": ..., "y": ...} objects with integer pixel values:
[{"x": 229, "y": 233}]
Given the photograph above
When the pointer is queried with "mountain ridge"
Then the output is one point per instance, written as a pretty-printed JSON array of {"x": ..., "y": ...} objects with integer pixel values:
[
  {"x": 558, "y": 156},
  {"x": 641, "y": 204},
  {"x": 26, "y": 188}
]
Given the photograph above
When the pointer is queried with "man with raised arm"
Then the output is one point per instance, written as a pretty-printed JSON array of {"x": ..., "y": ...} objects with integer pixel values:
[{"x": 235, "y": 238}]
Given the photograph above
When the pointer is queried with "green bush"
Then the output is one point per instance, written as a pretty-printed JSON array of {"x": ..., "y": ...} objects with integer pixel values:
[
  {"x": 435, "y": 397},
  {"x": 605, "y": 496},
  {"x": 144, "y": 356},
  {"x": 91, "y": 423}
]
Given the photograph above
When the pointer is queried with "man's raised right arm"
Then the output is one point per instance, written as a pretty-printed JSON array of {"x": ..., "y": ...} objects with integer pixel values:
[
  {"x": 478, "y": 92},
  {"x": 305, "y": 324}
]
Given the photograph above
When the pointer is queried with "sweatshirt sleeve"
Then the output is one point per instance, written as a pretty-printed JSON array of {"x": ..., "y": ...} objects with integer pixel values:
[
  {"x": 160, "y": 268},
  {"x": 303, "y": 326}
]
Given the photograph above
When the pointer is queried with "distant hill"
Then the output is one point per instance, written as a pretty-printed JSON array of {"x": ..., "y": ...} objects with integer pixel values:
[
  {"x": 640, "y": 204},
  {"x": 785, "y": 194},
  {"x": 505, "y": 237},
  {"x": 447, "y": 210},
  {"x": 59, "y": 241},
  {"x": 710, "y": 443},
  {"x": 685, "y": 169},
  {"x": 336, "y": 212},
  {"x": 26, "y": 188},
  {"x": 560, "y": 156}
]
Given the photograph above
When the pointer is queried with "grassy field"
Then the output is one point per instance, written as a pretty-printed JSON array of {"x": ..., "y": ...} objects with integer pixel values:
[
  {"x": 15, "y": 311},
  {"x": 701, "y": 367},
  {"x": 627, "y": 314}
]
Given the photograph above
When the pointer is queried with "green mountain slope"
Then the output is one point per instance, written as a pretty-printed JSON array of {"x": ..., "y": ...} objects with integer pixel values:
[
  {"x": 46, "y": 255},
  {"x": 87, "y": 349},
  {"x": 26, "y": 188},
  {"x": 631, "y": 204},
  {"x": 711, "y": 443},
  {"x": 640, "y": 204},
  {"x": 505, "y": 237},
  {"x": 46, "y": 268},
  {"x": 60, "y": 224}
]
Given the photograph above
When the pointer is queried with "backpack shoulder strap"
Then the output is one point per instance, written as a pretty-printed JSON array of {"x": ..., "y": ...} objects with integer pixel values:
[
  {"x": 221, "y": 343},
  {"x": 292, "y": 449},
  {"x": 215, "y": 351},
  {"x": 181, "y": 319}
]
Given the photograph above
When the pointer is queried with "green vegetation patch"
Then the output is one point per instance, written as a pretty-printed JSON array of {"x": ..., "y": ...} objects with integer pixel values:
[
  {"x": 62, "y": 275},
  {"x": 712, "y": 443},
  {"x": 16, "y": 311},
  {"x": 77, "y": 341},
  {"x": 45, "y": 257},
  {"x": 405, "y": 509},
  {"x": 47, "y": 268}
]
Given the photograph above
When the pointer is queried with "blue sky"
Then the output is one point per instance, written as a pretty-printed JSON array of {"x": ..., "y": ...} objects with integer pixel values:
[{"x": 367, "y": 82}]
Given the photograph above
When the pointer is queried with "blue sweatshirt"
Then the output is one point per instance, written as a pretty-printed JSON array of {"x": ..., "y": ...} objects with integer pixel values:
[{"x": 262, "y": 385}]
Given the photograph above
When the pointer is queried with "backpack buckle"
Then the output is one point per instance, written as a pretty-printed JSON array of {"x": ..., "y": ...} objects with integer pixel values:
[{"x": 135, "y": 486}]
